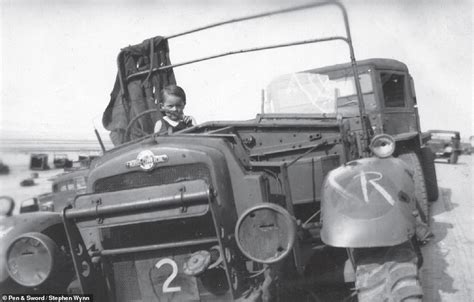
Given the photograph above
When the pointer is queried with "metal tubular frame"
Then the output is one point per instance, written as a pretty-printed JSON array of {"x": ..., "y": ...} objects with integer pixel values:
[
  {"x": 155, "y": 247},
  {"x": 347, "y": 39},
  {"x": 254, "y": 49},
  {"x": 176, "y": 200}
]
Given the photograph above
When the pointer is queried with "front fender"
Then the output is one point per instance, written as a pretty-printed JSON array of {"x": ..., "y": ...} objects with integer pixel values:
[
  {"x": 368, "y": 203},
  {"x": 13, "y": 226}
]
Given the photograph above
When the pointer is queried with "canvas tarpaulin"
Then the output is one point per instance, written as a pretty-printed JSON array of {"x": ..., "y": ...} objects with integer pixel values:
[{"x": 131, "y": 96}]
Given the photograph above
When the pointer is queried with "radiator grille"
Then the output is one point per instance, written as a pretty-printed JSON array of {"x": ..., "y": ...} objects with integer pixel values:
[
  {"x": 159, "y": 176},
  {"x": 158, "y": 232},
  {"x": 126, "y": 282}
]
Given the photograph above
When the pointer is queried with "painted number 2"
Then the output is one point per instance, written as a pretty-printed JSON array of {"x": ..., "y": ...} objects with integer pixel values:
[{"x": 174, "y": 273}]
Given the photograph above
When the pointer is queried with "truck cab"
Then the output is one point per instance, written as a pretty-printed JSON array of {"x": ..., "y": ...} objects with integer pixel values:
[{"x": 388, "y": 92}]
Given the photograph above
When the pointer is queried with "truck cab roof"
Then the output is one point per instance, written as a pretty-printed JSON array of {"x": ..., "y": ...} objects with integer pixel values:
[{"x": 376, "y": 63}]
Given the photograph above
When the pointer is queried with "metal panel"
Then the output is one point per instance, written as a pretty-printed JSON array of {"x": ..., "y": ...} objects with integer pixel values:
[
  {"x": 160, "y": 176},
  {"x": 145, "y": 204},
  {"x": 87, "y": 274},
  {"x": 141, "y": 276},
  {"x": 306, "y": 177}
]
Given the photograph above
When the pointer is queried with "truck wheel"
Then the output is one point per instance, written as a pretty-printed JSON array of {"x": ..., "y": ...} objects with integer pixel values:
[
  {"x": 453, "y": 159},
  {"x": 429, "y": 171},
  {"x": 389, "y": 274},
  {"x": 420, "y": 187}
]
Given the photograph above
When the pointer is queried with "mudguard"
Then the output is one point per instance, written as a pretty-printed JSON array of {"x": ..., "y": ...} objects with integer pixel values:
[
  {"x": 13, "y": 226},
  {"x": 368, "y": 203}
]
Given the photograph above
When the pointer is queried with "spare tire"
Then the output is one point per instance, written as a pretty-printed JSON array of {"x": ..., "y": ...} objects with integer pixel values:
[
  {"x": 420, "y": 187},
  {"x": 429, "y": 170}
]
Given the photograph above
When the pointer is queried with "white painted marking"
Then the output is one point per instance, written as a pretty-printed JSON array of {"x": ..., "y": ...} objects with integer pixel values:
[
  {"x": 174, "y": 273},
  {"x": 377, "y": 186},
  {"x": 363, "y": 185}
]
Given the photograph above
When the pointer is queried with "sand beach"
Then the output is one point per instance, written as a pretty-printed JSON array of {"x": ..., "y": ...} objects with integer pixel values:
[{"x": 16, "y": 154}]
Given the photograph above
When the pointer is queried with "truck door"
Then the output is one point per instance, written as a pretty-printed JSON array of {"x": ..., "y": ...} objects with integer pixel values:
[{"x": 398, "y": 108}]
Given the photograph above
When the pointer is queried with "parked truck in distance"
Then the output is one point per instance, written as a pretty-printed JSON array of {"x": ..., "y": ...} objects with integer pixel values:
[
  {"x": 468, "y": 146},
  {"x": 65, "y": 187},
  {"x": 39, "y": 161},
  {"x": 445, "y": 144},
  {"x": 61, "y": 161}
]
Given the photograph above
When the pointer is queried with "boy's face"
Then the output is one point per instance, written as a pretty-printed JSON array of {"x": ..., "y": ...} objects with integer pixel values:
[{"x": 173, "y": 106}]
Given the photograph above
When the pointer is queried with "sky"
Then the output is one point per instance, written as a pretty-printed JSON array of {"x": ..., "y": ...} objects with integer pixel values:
[{"x": 58, "y": 58}]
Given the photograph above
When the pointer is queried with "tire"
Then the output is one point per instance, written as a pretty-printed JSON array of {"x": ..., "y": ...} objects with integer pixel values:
[
  {"x": 429, "y": 170},
  {"x": 453, "y": 159},
  {"x": 389, "y": 275},
  {"x": 420, "y": 186}
]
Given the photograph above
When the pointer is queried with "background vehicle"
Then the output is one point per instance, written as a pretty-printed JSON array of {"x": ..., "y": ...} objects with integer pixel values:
[
  {"x": 4, "y": 169},
  {"x": 64, "y": 189},
  {"x": 468, "y": 147},
  {"x": 271, "y": 208},
  {"x": 390, "y": 102},
  {"x": 38, "y": 203},
  {"x": 67, "y": 186},
  {"x": 445, "y": 144},
  {"x": 39, "y": 161},
  {"x": 61, "y": 161}
]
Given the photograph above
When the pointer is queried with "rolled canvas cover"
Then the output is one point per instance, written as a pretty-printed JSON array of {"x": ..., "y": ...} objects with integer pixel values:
[{"x": 131, "y": 97}]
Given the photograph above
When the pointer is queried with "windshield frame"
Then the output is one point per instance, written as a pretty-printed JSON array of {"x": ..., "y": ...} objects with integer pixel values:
[{"x": 290, "y": 91}]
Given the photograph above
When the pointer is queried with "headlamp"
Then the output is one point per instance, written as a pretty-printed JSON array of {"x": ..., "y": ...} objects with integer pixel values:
[
  {"x": 382, "y": 145},
  {"x": 31, "y": 259},
  {"x": 265, "y": 233}
]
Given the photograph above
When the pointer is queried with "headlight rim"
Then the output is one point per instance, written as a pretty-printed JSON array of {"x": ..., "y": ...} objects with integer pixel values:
[
  {"x": 382, "y": 138},
  {"x": 292, "y": 231},
  {"x": 49, "y": 245}
]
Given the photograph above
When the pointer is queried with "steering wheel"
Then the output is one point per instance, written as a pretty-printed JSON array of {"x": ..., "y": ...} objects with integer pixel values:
[{"x": 135, "y": 119}]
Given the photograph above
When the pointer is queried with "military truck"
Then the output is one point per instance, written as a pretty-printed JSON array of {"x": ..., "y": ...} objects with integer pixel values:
[
  {"x": 445, "y": 144},
  {"x": 316, "y": 190},
  {"x": 64, "y": 189}
]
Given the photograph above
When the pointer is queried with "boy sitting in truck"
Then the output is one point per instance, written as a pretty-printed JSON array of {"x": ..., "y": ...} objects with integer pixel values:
[{"x": 174, "y": 101}]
